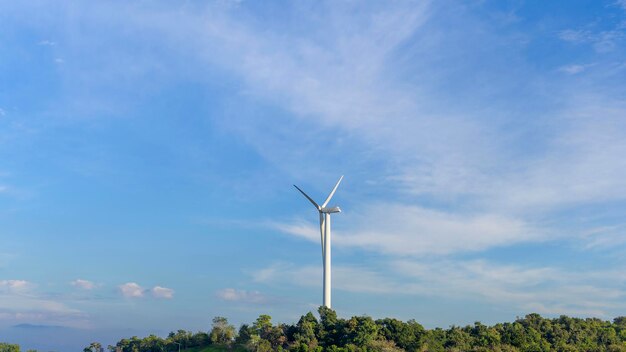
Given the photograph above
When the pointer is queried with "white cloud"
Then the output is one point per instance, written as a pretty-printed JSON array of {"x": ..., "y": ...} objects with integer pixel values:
[
  {"x": 235, "y": 295},
  {"x": 327, "y": 74},
  {"x": 430, "y": 151},
  {"x": 162, "y": 292},
  {"x": 575, "y": 36},
  {"x": 542, "y": 289},
  {"x": 15, "y": 285},
  {"x": 602, "y": 41},
  {"x": 134, "y": 290},
  {"x": 47, "y": 43},
  {"x": 83, "y": 284},
  {"x": 413, "y": 230},
  {"x": 346, "y": 278},
  {"x": 20, "y": 302},
  {"x": 522, "y": 288},
  {"x": 604, "y": 237},
  {"x": 582, "y": 165},
  {"x": 131, "y": 290},
  {"x": 572, "y": 69}
]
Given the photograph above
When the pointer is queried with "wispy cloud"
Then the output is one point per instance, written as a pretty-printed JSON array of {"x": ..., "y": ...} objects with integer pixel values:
[
  {"x": 244, "y": 296},
  {"x": 134, "y": 290},
  {"x": 576, "y": 36},
  {"x": 428, "y": 150},
  {"x": 47, "y": 43},
  {"x": 13, "y": 286},
  {"x": 162, "y": 292},
  {"x": 83, "y": 284},
  {"x": 604, "y": 237},
  {"x": 542, "y": 289},
  {"x": 352, "y": 279},
  {"x": 572, "y": 69},
  {"x": 20, "y": 302},
  {"x": 462, "y": 160},
  {"x": 414, "y": 230},
  {"x": 602, "y": 40}
]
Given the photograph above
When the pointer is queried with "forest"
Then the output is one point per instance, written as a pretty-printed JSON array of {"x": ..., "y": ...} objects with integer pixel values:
[{"x": 362, "y": 333}]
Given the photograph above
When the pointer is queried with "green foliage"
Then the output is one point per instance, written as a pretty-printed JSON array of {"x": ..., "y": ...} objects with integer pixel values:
[
  {"x": 93, "y": 347},
  {"x": 221, "y": 332},
  {"x": 360, "y": 331},
  {"x": 7, "y": 347},
  {"x": 406, "y": 336},
  {"x": 329, "y": 332},
  {"x": 433, "y": 340},
  {"x": 458, "y": 339},
  {"x": 533, "y": 333},
  {"x": 304, "y": 333},
  {"x": 215, "y": 348}
]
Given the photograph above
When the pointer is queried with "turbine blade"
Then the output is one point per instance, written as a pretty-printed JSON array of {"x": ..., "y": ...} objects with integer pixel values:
[
  {"x": 322, "y": 228},
  {"x": 332, "y": 192},
  {"x": 309, "y": 198}
]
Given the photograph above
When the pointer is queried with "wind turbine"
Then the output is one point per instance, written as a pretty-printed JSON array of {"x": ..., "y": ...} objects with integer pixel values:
[{"x": 325, "y": 233}]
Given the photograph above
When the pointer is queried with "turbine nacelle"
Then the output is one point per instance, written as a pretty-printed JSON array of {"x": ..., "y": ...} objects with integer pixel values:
[{"x": 330, "y": 210}]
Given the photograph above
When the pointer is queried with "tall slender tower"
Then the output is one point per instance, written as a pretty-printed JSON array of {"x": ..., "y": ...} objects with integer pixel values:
[{"x": 325, "y": 233}]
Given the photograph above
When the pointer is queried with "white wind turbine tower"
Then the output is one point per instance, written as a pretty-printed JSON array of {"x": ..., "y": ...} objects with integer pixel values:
[{"x": 325, "y": 233}]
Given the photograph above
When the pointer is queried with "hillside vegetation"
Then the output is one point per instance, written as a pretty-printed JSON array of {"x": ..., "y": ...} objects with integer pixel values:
[{"x": 362, "y": 333}]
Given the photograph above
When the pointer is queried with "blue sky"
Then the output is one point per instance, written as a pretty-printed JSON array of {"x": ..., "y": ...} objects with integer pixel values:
[{"x": 147, "y": 153}]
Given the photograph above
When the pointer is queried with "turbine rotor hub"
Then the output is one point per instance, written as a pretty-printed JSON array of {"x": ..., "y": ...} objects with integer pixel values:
[{"x": 330, "y": 210}]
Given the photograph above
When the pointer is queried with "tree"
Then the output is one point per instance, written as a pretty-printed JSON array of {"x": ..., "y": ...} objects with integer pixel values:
[
  {"x": 201, "y": 338},
  {"x": 264, "y": 346},
  {"x": 7, "y": 347},
  {"x": 304, "y": 332},
  {"x": 181, "y": 336},
  {"x": 276, "y": 336},
  {"x": 382, "y": 346},
  {"x": 405, "y": 335},
  {"x": 484, "y": 336},
  {"x": 222, "y": 332},
  {"x": 329, "y": 327},
  {"x": 360, "y": 331},
  {"x": 262, "y": 324},
  {"x": 244, "y": 335},
  {"x": 152, "y": 343},
  {"x": 433, "y": 340},
  {"x": 458, "y": 339},
  {"x": 93, "y": 347}
]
